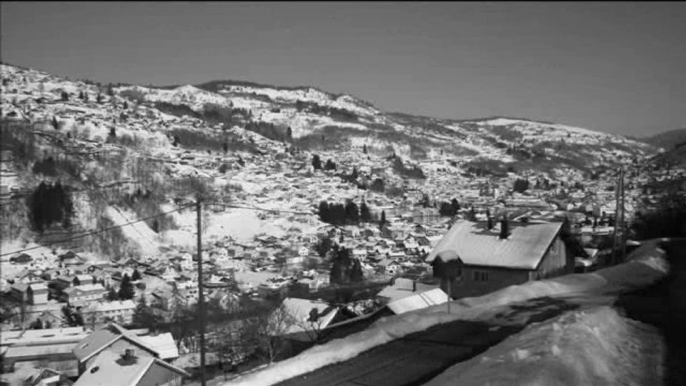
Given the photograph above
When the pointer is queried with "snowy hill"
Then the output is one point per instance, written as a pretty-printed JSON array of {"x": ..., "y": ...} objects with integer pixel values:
[{"x": 233, "y": 135}]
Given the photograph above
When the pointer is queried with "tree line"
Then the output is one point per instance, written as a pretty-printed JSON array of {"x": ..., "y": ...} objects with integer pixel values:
[{"x": 342, "y": 214}]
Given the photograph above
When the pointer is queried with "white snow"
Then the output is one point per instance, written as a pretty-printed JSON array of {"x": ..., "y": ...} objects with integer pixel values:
[
  {"x": 138, "y": 232},
  {"x": 646, "y": 265},
  {"x": 596, "y": 347}
]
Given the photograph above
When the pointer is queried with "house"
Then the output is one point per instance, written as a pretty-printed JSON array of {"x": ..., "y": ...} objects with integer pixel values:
[
  {"x": 78, "y": 296},
  {"x": 120, "y": 311},
  {"x": 359, "y": 253},
  {"x": 52, "y": 346},
  {"x": 472, "y": 260},
  {"x": 70, "y": 258},
  {"x": 37, "y": 293},
  {"x": 18, "y": 291},
  {"x": 21, "y": 259},
  {"x": 113, "y": 338},
  {"x": 306, "y": 318},
  {"x": 130, "y": 368},
  {"x": 303, "y": 251}
]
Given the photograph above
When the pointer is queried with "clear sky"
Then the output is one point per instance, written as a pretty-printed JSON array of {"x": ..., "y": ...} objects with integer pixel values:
[{"x": 614, "y": 67}]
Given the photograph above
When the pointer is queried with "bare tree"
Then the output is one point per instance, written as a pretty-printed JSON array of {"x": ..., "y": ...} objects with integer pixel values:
[
  {"x": 311, "y": 324},
  {"x": 264, "y": 333}
]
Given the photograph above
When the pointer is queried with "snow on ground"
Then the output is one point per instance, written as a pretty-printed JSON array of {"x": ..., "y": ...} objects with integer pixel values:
[
  {"x": 139, "y": 232},
  {"x": 596, "y": 347},
  {"x": 306, "y": 95},
  {"x": 241, "y": 224},
  {"x": 646, "y": 265},
  {"x": 528, "y": 124}
]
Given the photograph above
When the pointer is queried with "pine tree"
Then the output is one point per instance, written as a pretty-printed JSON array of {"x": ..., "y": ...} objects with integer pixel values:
[
  {"x": 136, "y": 275},
  {"x": 126, "y": 105},
  {"x": 382, "y": 222},
  {"x": 126, "y": 290},
  {"x": 143, "y": 315},
  {"x": 356, "y": 274},
  {"x": 289, "y": 134},
  {"x": 364, "y": 149},
  {"x": 324, "y": 212},
  {"x": 98, "y": 99},
  {"x": 353, "y": 175},
  {"x": 55, "y": 123},
  {"x": 365, "y": 214},
  {"x": 352, "y": 212},
  {"x": 112, "y": 294}
]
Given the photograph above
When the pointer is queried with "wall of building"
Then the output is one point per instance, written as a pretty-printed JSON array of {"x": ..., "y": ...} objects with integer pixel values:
[
  {"x": 469, "y": 284},
  {"x": 554, "y": 263}
]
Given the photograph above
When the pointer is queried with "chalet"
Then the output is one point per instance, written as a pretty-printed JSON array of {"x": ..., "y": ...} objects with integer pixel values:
[
  {"x": 472, "y": 260},
  {"x": 81, "y": 295}
]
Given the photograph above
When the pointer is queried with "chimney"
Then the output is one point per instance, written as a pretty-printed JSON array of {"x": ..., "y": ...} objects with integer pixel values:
[
  {"x": 504, "y": 228},
  {"x": 129, "y": 353}
]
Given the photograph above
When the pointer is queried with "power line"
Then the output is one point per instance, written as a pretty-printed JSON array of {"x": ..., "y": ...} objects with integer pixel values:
[
  {"x": 95, "y": 232},
  {"x": 259, "y": 209}
]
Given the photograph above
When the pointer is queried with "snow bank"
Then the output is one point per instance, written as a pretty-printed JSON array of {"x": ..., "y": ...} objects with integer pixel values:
[
  {"x": 645, "y": 266},
  {"x": 598, "y": 347}
]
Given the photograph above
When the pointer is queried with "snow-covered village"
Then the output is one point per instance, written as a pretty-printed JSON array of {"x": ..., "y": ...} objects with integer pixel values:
[{"x": 233, "y": 232}]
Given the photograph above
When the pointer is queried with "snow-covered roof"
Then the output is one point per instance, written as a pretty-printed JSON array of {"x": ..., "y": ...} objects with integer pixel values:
[
  {"x": 109, "y": 366},
  {"x": 475, "y": 245},
  {"x": 300, "y": 309},
  {"x": 418, "y": 301},
  {"x": 163, "y": 343},
  {"x": 403, "y": 288}
]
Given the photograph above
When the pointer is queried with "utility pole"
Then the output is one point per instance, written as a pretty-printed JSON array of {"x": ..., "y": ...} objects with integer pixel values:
[
  {"x": 623, "y": 223},
  {"x": 614, "y": 231},
  {"x": 201, "y": 295}
]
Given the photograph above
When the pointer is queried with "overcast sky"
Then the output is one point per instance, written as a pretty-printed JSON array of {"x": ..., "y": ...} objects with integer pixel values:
[{"x": 614, "y": 67}]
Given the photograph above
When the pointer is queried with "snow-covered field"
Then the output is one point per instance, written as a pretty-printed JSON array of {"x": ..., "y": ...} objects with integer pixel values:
[{"x": 645, "y": 266}]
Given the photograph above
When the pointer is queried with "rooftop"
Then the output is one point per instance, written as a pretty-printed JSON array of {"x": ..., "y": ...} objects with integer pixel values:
[{"x": 475, "y": 245}]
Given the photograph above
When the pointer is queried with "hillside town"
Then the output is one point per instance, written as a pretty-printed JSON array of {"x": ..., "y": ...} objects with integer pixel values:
[{"x": 168, "y": 235}]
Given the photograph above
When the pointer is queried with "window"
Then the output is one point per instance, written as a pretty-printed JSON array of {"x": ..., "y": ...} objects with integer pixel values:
[{"x": 480, "y": 276}]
